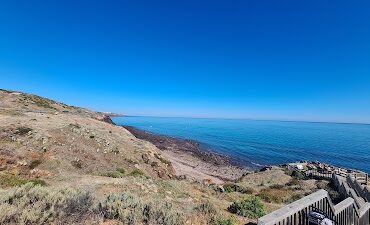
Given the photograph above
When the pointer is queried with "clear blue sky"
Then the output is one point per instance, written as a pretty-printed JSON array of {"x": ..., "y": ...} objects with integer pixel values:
[{"x": 290, "y": 60}]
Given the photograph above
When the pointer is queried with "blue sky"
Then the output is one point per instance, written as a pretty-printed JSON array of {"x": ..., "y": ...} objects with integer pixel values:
[{"x": 287, "y": 60}]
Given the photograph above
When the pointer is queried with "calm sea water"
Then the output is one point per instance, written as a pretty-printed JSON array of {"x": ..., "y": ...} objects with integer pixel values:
[{"x": 269, "y": 142}]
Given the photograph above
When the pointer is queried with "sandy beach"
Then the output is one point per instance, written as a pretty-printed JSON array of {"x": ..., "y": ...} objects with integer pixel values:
[{"x": 191, "y": 159}]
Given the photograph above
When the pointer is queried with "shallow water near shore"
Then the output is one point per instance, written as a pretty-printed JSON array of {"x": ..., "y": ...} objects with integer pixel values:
[{"x": 268, "y": 142}]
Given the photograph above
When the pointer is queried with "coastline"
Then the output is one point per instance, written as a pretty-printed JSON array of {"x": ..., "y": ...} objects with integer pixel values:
[{"x": 193, "y": 160}]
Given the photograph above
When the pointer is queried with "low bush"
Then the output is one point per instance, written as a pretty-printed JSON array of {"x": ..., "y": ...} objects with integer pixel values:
[
  {"x": 11, "y": 180},
  {"x": 206, "y": 208},
  {"x": 128, "y": 209},
  {"x": 229, "y": 221},
  {"x": 119, "y": 173},
  {"x": 137, "y": 173},
  {"x": 207, "y": 211},
  {"x": 30, "y": 204},
  {"x": 273, "y": 195},
  {"x": 236, "y": 188},
  {"x": 125, "y": 207},
  {"x": 34, "y": 164},
  {"x": 298, "y": 175},
  {"x": 121, "y": 170},
  {"x": 277, "y": 186},
  {"x": 33, "y": 204},
  {"x": 113, "y": 174},
  {"x": 293, "y": 182},
  {"x": 250, "y": 206},
  {"x": 161, "y": 213}
]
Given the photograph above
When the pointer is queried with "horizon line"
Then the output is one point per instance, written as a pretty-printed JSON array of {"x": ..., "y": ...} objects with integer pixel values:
[{"x": 251, "y": 119}]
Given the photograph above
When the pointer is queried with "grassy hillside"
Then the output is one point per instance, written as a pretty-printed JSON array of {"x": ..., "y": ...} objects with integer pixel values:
[{"x": 69, "y": 165}]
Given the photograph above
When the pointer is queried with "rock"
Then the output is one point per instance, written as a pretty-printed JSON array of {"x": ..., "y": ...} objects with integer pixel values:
[
  {"x": 115, "y": 151},
  {"x": 77, "y": 163},
  {"x": 267, "y": 168},
  {"x": 145, "y": 158},
  {"x": 154, "y": 164},
  {"x": 161, "y": 174},
  {"x": 3, "y": 167},
  {"x": 219, "y": 188},
  {"x": 106, "y": 119},
  {"x": 22, "y": 163},
  {"x": 208, "y": 181},
  {"x": 181, "y": 177}
]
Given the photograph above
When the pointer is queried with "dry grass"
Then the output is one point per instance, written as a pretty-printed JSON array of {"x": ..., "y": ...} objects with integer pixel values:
[
  {"x": 41, "y": 102},
  {"x": 271, "y": 195}
]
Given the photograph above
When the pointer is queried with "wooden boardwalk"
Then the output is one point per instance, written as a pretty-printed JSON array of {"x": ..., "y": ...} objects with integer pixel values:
[{"x": 354, "y": 210}]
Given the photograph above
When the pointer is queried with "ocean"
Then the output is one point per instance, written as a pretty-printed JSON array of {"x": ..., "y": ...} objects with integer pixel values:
[{"x": 260, "y": 143}]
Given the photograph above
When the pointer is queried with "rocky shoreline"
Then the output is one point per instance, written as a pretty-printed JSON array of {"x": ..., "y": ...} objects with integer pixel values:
[{"x": 192, "y": 160}]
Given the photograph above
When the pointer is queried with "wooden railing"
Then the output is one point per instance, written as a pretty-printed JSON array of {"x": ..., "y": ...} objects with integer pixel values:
[
  {"x": 344, "y": 213},
  {"x": 296, "y": 212},
  {"x": 354, "y": 210}
]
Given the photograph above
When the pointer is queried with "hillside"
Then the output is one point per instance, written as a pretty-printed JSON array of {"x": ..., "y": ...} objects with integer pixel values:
[{"x": 64, "y": 164}]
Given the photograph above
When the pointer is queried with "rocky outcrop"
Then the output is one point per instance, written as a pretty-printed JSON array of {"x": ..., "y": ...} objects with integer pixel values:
[{"x": 107, "y": 119}]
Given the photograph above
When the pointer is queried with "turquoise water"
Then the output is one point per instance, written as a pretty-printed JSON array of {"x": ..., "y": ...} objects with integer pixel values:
[{"x": 269, "y": 142}]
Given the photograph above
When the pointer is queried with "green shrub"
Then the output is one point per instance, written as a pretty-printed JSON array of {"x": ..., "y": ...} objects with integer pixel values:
[
  {"x": 230, "y": 187},
  {"x": 137, "y": 173},
  {"x": 229, "y": 221},
  {"x": 121, "y": 170},
  {"x": 297, "y": 175},
  {"x": 30, "y": 204},
  {"x": 11, "y": 180},
  {"x": 113, "y": 174},
  {"x": 250, "y": 206}
]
